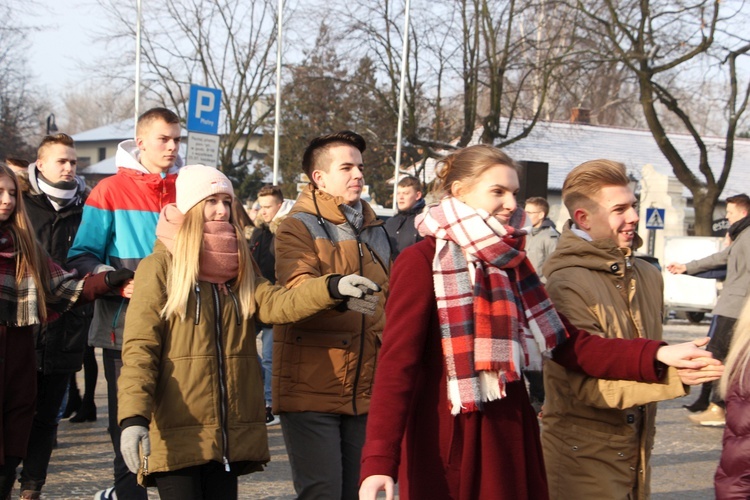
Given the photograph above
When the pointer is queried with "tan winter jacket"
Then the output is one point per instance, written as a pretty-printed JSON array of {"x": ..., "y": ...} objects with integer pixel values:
[
  {"x": 198, "y": 381},
  {"x": 598, "y": 434},
  {"x": 327, "y": 363}
]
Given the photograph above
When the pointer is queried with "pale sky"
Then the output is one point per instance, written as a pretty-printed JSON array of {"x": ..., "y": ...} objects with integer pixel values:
[{"x": 63, "y": 43}]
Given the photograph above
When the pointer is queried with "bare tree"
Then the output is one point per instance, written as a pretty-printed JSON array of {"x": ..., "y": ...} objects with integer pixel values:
[
  {"x": 661, "y": 43},
  {"x": 327, "y": 92},
  {"x": 20, "y": 107},
  {"x": 222, "y": 44},
  {"x": 94, "y": 106}
]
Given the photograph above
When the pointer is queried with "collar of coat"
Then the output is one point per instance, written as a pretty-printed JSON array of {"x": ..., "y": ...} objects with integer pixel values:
[
  {"x": 597, "y": 255},
  {"x": 319, "y": 203}
]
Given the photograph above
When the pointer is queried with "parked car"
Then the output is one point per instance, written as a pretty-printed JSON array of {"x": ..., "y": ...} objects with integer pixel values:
[{"x": 693, "y": 295}]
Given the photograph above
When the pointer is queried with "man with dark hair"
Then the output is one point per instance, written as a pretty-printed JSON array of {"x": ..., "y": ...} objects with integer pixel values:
[
  {"x": 270, "y": 215},
  {"x": 54, "y": 203},
  {"x": 117, "y": 231},
  {"x": 410, "y": 203},
  {"x": 323, "y": 367},
  {"x": 736, "y": 258}
]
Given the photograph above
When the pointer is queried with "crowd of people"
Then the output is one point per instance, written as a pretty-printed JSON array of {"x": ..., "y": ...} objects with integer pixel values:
[{"x": 392, "y": 352}]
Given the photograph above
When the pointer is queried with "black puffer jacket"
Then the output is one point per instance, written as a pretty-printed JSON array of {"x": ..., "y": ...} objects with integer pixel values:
[
  {"x": 60, "y": 344},
  {"x": 401, "y": 230}
]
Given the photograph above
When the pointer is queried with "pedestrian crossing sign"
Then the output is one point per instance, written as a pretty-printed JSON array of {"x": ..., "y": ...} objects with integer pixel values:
[{"x": 654, "y": 218}]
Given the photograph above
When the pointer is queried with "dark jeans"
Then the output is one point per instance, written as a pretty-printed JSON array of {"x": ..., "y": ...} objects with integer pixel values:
[
  {"x": 324, "y": 452},
  {"x": 126, "y": 483},
  {"x": 723, "y": 330},
  {"x": 201, "y": 482},
  {"x": 50, "y": 393},
  {"x": 8, "y": 475}
]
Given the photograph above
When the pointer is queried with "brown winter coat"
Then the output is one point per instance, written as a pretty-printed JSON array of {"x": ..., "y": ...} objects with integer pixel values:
[
  {"x": 327, "y": 363},
  {"x": 598, "y": 434},
  {"x": 183, "y": 376}
]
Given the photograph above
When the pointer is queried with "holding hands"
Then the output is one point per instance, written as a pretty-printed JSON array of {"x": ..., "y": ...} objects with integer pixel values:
[
  {"x": 121, "y": 281},
  {"x": 694, "y": 365}
]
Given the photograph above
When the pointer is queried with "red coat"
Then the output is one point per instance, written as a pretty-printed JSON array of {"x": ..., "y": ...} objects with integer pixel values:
[
  {"x": 732, "y": 479},
  {"x": 493, "y": 454}
]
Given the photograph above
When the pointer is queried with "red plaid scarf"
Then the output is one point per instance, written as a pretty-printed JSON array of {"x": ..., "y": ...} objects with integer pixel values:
[
  {"x": 18, "y": 299},
  {"x": 502, "y": 322}
]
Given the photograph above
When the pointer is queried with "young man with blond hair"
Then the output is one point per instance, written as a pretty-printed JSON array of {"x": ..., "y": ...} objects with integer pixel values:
[{"x": 598, "y": 434}]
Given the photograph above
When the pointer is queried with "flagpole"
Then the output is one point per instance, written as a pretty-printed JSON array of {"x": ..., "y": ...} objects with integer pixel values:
[
  {"x": 137, "y": 103},
  {"x": 399, "y": 133},
  {"x": 278, "y": 97}
]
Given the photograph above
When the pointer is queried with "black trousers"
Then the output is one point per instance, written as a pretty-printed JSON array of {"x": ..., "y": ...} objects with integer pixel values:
[
  {"x": 201, "y": 482},
  {"x": 50, "y": 393},
  {"x": 126, "y": 483},
  {"x": 723, "y": 331}
]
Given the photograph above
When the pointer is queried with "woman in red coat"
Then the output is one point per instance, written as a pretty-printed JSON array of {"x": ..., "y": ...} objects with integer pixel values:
[
  {"x": 450, "y": 417},
  {"x": 732, "y": 479}
]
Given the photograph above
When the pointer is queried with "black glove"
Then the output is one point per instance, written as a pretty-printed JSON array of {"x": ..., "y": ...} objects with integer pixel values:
[{"x": 115, "y": 279}]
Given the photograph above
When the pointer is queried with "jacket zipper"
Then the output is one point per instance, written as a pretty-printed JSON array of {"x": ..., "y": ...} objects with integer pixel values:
[
  {"x": 197, "y": 303},
  {"x": 236, "y": 303},
  {"x": 358, "y": 371},
  {"x": 222, "y": 384}
]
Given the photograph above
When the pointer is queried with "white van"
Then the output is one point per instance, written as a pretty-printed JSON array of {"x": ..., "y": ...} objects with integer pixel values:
[{"x": 693, "y": 295}]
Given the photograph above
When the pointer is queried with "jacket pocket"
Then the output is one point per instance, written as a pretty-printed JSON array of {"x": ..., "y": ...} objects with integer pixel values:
[
  {"x": 186, "y": 394},
  {"x": 320, "y": 363}
]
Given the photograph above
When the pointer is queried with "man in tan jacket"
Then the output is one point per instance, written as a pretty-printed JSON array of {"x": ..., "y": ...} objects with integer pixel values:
[
  {"x": 598, "y": 434},
  {"x": 323, "y": 367}
]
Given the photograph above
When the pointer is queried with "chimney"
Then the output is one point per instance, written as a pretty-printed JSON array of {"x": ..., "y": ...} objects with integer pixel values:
[{"x": 580, "y": 115}]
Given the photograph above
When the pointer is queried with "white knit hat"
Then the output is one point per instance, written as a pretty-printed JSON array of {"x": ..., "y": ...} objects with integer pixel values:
[{"x": 196, "y": 182}]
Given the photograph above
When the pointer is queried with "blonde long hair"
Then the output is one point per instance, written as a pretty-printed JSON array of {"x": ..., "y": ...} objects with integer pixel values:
[
  {"x": 739, "y": 354},
  {"x": 30, "y": 260},
  {"x": 188, "y": 245}
]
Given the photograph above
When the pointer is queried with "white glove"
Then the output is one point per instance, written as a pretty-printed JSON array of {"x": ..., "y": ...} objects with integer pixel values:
[
  {"x": 348, "y": 286},
  {"x": 130, "y": 438}
]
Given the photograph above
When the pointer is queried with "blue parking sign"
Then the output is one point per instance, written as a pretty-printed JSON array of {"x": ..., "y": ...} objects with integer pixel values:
[
  {"x": 203, "y": 110},
  {"x": 655, "y": 218}
]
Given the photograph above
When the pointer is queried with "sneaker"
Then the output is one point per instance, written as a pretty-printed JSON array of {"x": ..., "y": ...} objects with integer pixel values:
[
  {"x": 714, "y": 416},
  {"x": 271, "y": 419},
  {"x": 108, "y": 494}
]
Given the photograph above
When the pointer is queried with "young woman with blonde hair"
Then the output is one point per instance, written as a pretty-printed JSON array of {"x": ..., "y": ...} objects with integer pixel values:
[
  {"x": 190, "y": 394},
  {"x": 732, "y": 479},
  {"x": 450, "y": 417},
  {"x": 33, "y": 291}
]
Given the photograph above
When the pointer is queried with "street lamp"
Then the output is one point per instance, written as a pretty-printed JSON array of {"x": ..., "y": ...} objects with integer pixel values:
[{"x": 51, "y": 126}]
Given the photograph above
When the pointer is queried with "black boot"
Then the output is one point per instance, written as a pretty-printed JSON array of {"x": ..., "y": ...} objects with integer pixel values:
[
  {"x": 86, "y": 413},
  {"x": 701, "y": 403},
  {"x": 74, "y": 399}
]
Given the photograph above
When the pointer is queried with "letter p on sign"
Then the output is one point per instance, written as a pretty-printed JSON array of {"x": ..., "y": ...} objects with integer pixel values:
[
  {"x": 203, "y": 110},
  {"x": 205, "y": 103}
]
